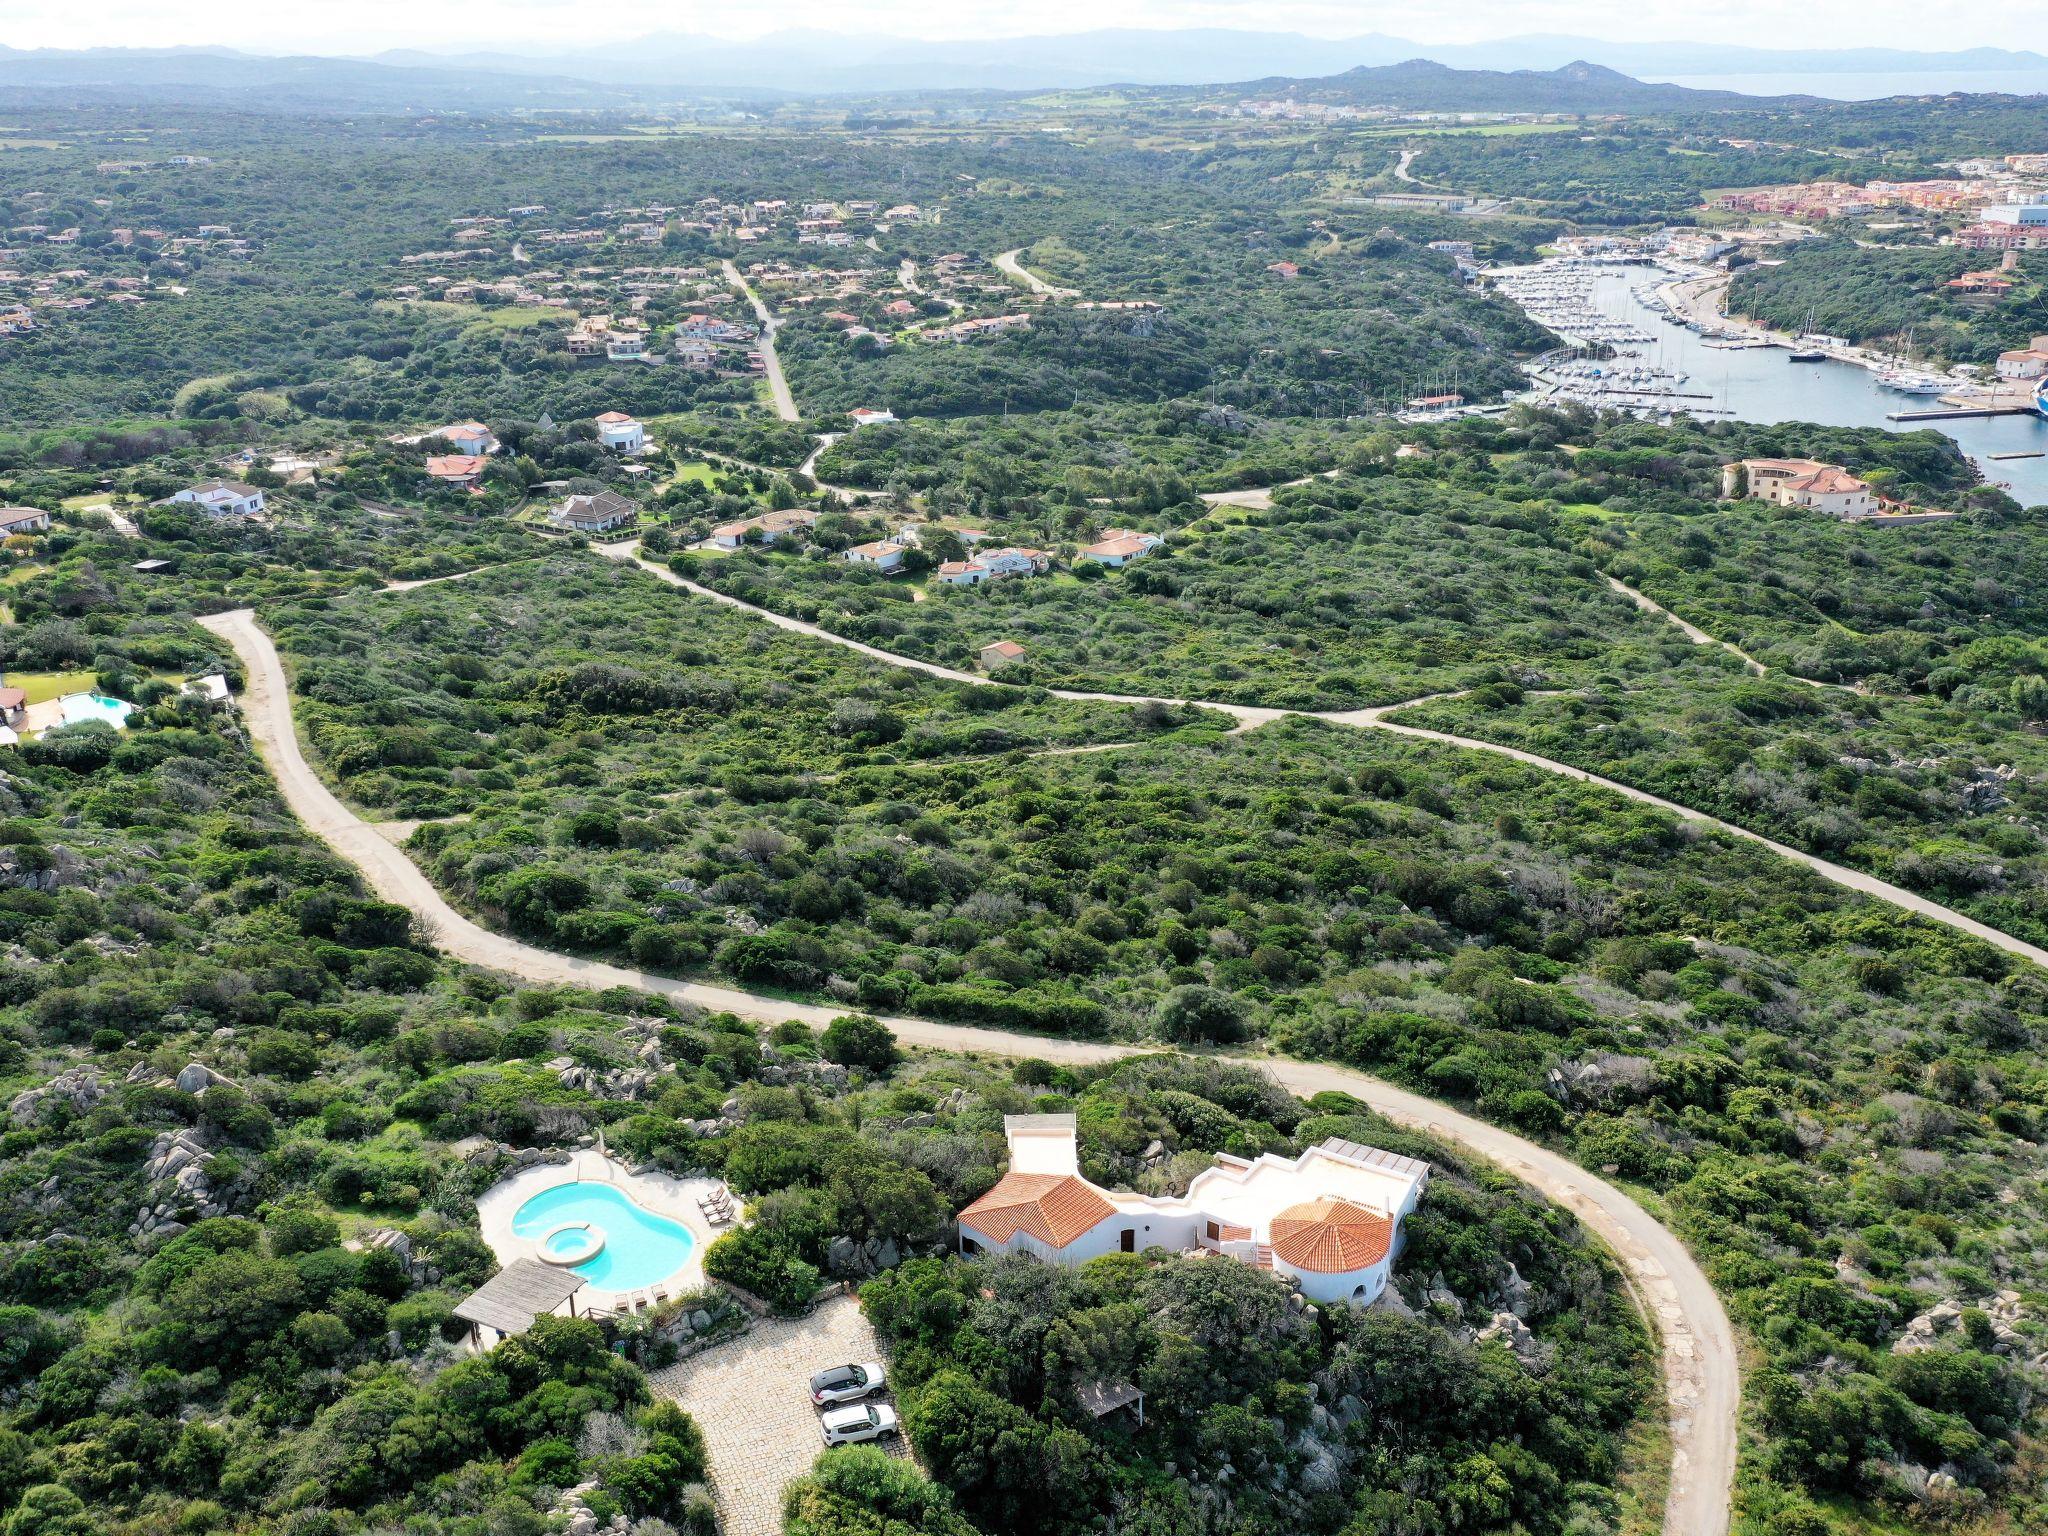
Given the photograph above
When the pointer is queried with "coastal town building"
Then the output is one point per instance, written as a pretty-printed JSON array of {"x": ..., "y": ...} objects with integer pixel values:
[
  {"x": 1000, "y": 653},
  {"x": 1328, "y": 1222},
  {"x": 1825, "y": 488},
  {"x": 2028, "y": 362},
  {"x": 467, "y": 437},
  {"x": 884, "y": 555},
  {"x": 464, "y": 471},
  {"x": 15, "y": 520}
]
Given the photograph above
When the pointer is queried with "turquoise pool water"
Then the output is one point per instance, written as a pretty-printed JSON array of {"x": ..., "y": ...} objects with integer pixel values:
[
  {"x": 640, "y": 1248},
  {"x": 76, "y": 707}
]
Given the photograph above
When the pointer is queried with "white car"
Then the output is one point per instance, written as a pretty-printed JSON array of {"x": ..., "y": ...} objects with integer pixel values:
[
  {"x": 857, "y": 1422},
  {"x": 846, "y": 1384}
]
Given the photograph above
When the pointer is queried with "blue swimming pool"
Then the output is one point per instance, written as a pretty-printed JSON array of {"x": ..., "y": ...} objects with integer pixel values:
[{"x": 638, "y": 1248}]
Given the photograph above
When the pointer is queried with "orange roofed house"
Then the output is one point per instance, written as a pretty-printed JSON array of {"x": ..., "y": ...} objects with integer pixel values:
[
  {"x": 1328, "y": 1221},
  {"x": 1826, "y": 488}
]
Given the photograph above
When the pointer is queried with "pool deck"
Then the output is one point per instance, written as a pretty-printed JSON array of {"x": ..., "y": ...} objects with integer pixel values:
[{"x": 660, "y": 1193}]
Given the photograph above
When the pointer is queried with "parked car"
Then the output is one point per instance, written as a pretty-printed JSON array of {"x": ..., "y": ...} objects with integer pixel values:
[
  {"x": 857, "y": 1422},
  {"x": 846, "y": 1383}
]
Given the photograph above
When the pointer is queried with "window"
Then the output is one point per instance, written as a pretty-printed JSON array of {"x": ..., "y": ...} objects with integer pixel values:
[
  {"x": 1215, "y": 1232},
  {"x": 1130, "y": 1241}
]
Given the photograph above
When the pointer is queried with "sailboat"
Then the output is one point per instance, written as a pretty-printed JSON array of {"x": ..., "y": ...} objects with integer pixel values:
[{"x": 1806, "y": 347}]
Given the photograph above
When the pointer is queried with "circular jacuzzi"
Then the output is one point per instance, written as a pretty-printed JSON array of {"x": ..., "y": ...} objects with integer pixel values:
[
  {"x": 571, "y": 1243},
  {"x": 600, "y": 1232}
]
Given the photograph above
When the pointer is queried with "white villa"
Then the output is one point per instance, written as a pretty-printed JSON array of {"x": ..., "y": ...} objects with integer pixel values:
[
  {"x": 620, "y": 432},
  {"x": 466, "y": 437},
  {"x": 1118, "y": 547},
  {"x": 992, "y": 565},
  {"x": 224, "y": 498},
  {"x": 884, "y": 555},
  {"x": 1328, "y": 1221}
]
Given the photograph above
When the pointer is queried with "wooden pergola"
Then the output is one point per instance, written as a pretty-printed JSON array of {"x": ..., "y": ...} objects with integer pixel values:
[
  {"x": 510, "y": 1300},
  {"x": 1099, "y": 1398}
]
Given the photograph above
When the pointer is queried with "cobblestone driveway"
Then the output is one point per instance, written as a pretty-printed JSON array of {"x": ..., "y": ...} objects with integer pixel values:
[{"x": 752, "y": 1400}]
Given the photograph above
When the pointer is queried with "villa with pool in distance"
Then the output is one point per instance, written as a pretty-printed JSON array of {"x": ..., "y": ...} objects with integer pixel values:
[{"x": 1328, "y": 1221}]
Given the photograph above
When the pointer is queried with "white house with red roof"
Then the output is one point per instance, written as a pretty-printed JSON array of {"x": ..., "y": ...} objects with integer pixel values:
[
  {"x": 1118, "y": 547},
  {"x": 992, "y": 565},
  {"x": 620, "y": 432},
  {"x": 1328, "y": 1222},
  {"x": 472, "y": 438}
]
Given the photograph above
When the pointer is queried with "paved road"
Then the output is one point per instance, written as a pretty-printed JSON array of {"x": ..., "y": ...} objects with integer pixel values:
[
  {"x": 778, "y": 386},
  {"x": 1701, "y": 1366},
  {"x": 1008, "y": 262}
]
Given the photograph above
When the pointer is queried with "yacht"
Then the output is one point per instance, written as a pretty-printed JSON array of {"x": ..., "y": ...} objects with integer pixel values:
[{"x": 1908, "y": 382}]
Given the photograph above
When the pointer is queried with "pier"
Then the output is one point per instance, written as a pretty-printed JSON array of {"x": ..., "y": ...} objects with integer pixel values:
[{"x": 1960, "y": 412}]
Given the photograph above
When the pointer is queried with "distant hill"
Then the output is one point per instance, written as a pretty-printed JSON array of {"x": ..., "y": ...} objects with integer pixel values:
[
  {"x": 249, "y": 82},
  {"x": 1427, "y": 86},
  {"x": 867, "y": 63}
]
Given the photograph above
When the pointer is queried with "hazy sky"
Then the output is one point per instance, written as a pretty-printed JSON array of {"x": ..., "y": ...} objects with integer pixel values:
[{"x": 444, "y": 25}]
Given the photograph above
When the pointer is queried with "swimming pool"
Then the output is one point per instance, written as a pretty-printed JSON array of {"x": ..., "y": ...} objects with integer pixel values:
[
  {"x": 635, "y": 1247},
  {"x": 75, "y": 708}
]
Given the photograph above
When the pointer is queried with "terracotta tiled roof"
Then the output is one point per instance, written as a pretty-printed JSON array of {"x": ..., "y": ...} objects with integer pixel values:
[
  {"x": 1330, "y": 1237},
  {"x": 1055, "y": 1208},
  {"x": 1830, "y": 481}
]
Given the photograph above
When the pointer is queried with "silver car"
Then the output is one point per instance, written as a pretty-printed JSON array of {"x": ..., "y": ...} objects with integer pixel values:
[
  {"x": 857, "y": 1422},
  {"x": 846, "y": 1384}
]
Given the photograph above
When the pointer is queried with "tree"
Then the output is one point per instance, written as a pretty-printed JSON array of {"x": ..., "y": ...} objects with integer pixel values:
[
  {"x": 859, "y": 1041},
  {"x": 50, "y": 1509},
  {"x": 1197, "y": 1013},
  {"x": 861, "y": 1490}
]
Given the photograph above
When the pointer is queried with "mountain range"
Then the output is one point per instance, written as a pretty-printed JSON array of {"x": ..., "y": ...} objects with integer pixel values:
[
  {"x": 812, "y": 61},
  {"x": 1527, "y": 73}
]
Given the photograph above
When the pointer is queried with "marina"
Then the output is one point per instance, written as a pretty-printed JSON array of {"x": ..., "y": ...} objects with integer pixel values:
[{"x": 1627, "y": 349}]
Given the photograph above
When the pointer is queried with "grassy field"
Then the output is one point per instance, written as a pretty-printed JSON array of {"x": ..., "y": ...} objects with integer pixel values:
[{"x": 45, "y": 686}]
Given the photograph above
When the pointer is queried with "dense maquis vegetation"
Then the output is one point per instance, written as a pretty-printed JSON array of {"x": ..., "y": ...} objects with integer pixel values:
[
  {"x": 1367, "y": 322},
  {"x": 1941, "y": 799},
  {"x": 1871, "y": 294},
  {"x": 220, "y": 1361},
  {"x": 1619, "y": 173},
  {"x": 1379, "y": 590},
  {"x": 1804, "y": 1076},
  {"x": 573, "y": 674}
]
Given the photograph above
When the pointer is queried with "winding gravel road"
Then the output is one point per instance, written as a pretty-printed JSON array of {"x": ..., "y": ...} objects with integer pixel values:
[
  {"x": 1374, "y": 718},
  {"x": 1701, "y": 1367},
  {"x": 1011, "y": 263}
]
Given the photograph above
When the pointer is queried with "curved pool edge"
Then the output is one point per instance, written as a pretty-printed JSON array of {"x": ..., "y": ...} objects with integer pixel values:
[{"x": 660, "y": 1194}]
